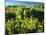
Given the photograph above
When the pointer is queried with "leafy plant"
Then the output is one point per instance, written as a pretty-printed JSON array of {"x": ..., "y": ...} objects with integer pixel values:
[{"x": 24, "y": 19}]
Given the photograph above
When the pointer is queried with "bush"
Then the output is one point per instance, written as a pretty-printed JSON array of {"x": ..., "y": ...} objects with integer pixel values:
[
  {"x": 23, "y": 21},
  {"x": 30, "y": 25}
]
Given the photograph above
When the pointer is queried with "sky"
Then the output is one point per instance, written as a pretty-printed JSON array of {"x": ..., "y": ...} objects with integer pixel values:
[{"x": 15, "y": 2}]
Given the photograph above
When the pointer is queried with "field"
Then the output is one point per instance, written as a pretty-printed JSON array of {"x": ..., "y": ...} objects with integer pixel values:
[{"x": 24, "y": 19}]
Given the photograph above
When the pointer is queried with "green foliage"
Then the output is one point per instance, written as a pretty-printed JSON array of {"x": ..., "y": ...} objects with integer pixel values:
[
  {"x": 23, "y": 20},
  {"x": 24, "y": 26}
]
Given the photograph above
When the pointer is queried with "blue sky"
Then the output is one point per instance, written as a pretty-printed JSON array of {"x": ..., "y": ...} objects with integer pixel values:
[{"x": 14, "y": 2}]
